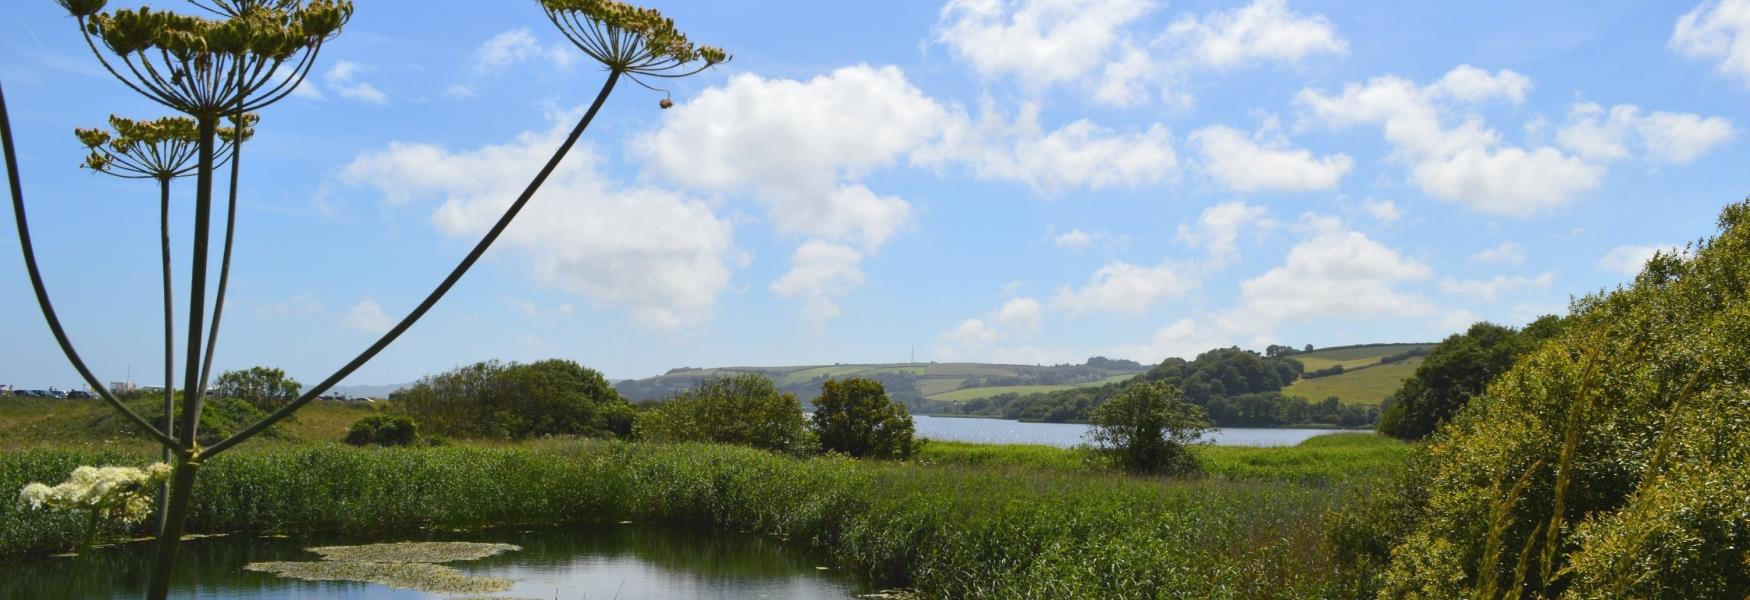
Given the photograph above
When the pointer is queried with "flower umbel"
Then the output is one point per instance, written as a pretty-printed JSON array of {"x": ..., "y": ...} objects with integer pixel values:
[
  {"x": 118, "y": 494},
  {"x": 164, "y": 148}
]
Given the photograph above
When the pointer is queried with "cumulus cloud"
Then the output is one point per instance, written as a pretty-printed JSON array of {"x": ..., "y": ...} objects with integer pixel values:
[
  {"x": 1265, "y": 30},
  {"x": 1332, "y": 272},
  {"x": 367, "y": 316},
  {"x": 979, "y": 337},
  {"x": 515, "y": 47},
  {"x": 1384, "y": 211},
  {"x": 1628, "y": 260},
  {"x": 1038, "y": 42},
  {"x": 1077, "y": 239},
  {"x": 1490, "y": 290},
  {"x": 1080, "y": 155},
  {"x": 1121, "y": 287},
  {"x": 1717, "y": 30},
  {"x": 1505, "y": 253},
  {"x": 820, "y": 271},
  {"x": 1602, "y": 135},
  {"x": 1218, "y": 228},
  {"x": 663, "y": 257},
  {"x": 1245, "y": 163},
  {"x": 344, "y": 79}
]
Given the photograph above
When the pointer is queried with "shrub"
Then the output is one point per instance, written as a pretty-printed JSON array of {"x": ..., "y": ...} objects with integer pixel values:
[
  {"x": 1146, "y": 429},
  {"x": 1459, "y": 368},
  {"x": 383, "y": 430},
  {"x": 745, "y": 409},
  {"x": 517, "y": 401},
  {"x": 1630, "y": 430},
  {"x": 854, "y": 417}
]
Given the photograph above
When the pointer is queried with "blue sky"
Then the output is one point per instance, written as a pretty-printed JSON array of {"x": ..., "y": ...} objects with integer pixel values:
[{"x": 1016, "y": 181}]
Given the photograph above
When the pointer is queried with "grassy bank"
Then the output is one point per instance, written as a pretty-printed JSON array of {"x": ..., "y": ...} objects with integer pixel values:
[
  {"x": 1322, "y": 460},
  {"x": 955, "y": 528}
]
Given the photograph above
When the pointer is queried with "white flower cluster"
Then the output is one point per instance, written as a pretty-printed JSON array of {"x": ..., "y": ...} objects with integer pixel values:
[{"x": 121, "y": 494}]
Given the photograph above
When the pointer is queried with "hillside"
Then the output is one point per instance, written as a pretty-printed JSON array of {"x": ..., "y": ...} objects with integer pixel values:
[
  {"x": 910, "y": 382},
  {"x": 1365, "y": 380}
]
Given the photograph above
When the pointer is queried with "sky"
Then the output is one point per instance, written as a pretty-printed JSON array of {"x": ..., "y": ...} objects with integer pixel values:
[{"x": 1023, "y": 181}]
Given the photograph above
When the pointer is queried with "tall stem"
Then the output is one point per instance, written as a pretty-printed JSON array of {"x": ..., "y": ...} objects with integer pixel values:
[
  {"x": 169, "y": 337},
  {"x": 197, "y": 288},
  {"x": 225, "y": 260},
  {"x": 442, "y": 288},
  {"x": 181, "y": 492}
]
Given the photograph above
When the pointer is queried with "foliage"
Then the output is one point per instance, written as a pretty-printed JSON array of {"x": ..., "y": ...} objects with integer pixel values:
[
  {"x": 383, "y": 430},
  {"x": 745, "y": 410},
  {"x": 1325, "y": 372},
  {"x": 1457, "y": 370},
  {"x": 1147, "y": 429},
  {"x": 1225, "y": 372},
  {"x": 516, "y": 401},
  {"x": 1631, "y": 432},
  {"x": 949, "y": 531},
  {"x": 262, "y": 387},
  {"x": 116, "y": 494},
  {"x": 854, "y": 417}
]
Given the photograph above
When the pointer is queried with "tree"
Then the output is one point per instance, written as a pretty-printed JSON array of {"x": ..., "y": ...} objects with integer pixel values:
[
  {"x": 1147, "y": 429},
  {"x": 853, "y": 416},
  {"x": 516, "y": 401},
  {"x": 1458, "y": 369},
  {"x": 244, "y": 56},
  {"x": 263, "y": 387},
  {"x": 383, "y": 430},
  {"x": 745, "y": 409}
]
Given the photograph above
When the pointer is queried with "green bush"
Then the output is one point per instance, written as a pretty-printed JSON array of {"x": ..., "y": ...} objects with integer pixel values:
[
  {"x": 854, "y": 417},
  {"x": 745, "y": 410},
  {"x": 518, "y": 401},
  {"x": 1615, "y": 459},
  {"x": 383, "y": 430},
  {"x": 1459, "y": 368},
  {"x": 1147, "y": 429}
]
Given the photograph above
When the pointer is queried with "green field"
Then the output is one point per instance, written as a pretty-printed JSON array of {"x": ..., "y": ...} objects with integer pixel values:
[
  {"x": 1353, "y": 356},
  {"x": 1361, "y": 386},
  {"x": 954, "y": 394}
]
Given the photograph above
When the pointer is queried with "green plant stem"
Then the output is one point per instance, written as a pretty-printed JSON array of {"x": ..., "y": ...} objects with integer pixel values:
[
  {"x": 181, "y": 492},
  {"x": 169, "y": 336},
  {"x": 197, "y": 288},
  {"x": 442, "y": 288},
  {"x": 224, "y": 262},
  {"x": 42, "y": 293}
]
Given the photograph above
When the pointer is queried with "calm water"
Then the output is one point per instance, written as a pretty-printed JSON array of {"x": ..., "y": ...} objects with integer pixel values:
[
  {"x": 626, "y": 562},
  {"x": 1064, "y": 435}
]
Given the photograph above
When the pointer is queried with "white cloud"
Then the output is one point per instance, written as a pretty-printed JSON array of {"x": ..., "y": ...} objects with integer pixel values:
[
  {"x": 1506, "y": 253},
  {"x": 1080, "y": 154},
  {"x": 1468, "y": 163},
  {"x": 304, "y": 304},
  {"x": 820, "y": 271},
  {"x": 1333, "y": 272},
  {"x": 1038, "y": 42},
  {"x": 1490, "y": 290},
  {"x": 1121, "y": 287},
  {"x": 343, "y": 78},
  {"x": 1218, "y": 228},
  {"x": 1265, "y": 30},
  {"x": 663, "y": 257},
  {"x": 460, "y": 91},
  {"x": 367, "y": 316},
  {"x": 1601, "y": 135},
  {"x": 1074, "y": 239},
  {"x": 1628, "y": 260},
  {"x": 1718, "y": 30},
  {"x": 1246, "y": 164},
  {"x": 517, "y": 46},
  {"x": 1183, "y": 338},
  {"x": 977, "y": 337},
  {"x": 1384, "y": 211}
]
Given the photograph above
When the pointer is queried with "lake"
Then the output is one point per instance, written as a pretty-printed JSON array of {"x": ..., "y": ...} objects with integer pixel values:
[
  {"x": 1064, "y": 435},
  {"x": 626, "y": 561}
]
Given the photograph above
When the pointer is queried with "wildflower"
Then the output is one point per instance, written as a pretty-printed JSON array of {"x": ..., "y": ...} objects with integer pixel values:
[{"x": 116, "y": 494}]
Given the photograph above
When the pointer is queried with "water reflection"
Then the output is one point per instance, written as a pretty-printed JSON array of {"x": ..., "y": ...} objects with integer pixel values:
[{"x": 626, "y": 562}]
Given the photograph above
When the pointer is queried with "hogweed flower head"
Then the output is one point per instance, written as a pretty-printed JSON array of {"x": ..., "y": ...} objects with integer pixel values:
[
  {"x": 163, "y": 148},
  {"x": 207, "y": 67},
  {"x": 629, "y": 39},
  {"x": 119, "y": 494}
]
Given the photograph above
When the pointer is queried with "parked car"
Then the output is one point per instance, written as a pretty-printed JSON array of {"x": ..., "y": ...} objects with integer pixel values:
[
  {"x": 38, "y": 394},
  {"x": 79, "y": 395}
]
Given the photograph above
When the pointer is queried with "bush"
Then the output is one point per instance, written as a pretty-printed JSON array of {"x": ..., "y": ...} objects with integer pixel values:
[
  {"x": 854, "y": 417},
  {"x": 745, "y": 410},
  {"x": 1146, "y": 429},
  {"x": 1459, "y": 368},
  {"x": 1630, "y": 431},
  {"x": 383, "y": 430},
  {"x": 518, "y": 401},
  {"x": 1325, "y": 372}
]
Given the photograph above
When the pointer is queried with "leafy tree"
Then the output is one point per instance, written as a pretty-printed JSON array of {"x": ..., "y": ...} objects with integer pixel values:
[
  {"x": 383, "y": 430},
  {"x": 1147, "y": 429},
  {"x": 1457, "y": 370},
  {"x": 853, "y": 416},
  {"x": 516, "y": 401},
  {"x": 745, "y": 409},
  {"x": 263, "y": 387}
]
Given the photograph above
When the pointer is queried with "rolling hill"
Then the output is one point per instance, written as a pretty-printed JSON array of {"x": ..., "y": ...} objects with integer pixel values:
[
  {"x": 904, "y": 381},
  {"x": 1365, "y": 379}
]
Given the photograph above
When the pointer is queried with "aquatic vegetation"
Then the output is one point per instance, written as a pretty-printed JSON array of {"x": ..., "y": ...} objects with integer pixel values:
[
  {"x": 414, "y": 552},
  {"x": 424, "y": 577}
]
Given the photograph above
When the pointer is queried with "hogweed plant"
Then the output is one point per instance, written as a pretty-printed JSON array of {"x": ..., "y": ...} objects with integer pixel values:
[
  {"x": 109, "y": 496},
  {"x": 240, "y": 58},
  {"x": 162, "y": 150}
]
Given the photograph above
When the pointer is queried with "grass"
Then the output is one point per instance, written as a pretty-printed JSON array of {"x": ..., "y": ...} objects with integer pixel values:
[
  {"x": 1362, "y": 386},
  {"x": 1320, "y": 460},
  {"x": 965, "y": 522},
  {"x": 1353, "y": 356}
]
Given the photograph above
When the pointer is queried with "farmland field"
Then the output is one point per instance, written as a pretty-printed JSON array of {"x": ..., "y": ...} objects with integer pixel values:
[{"x": 1361, "y": 386}]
